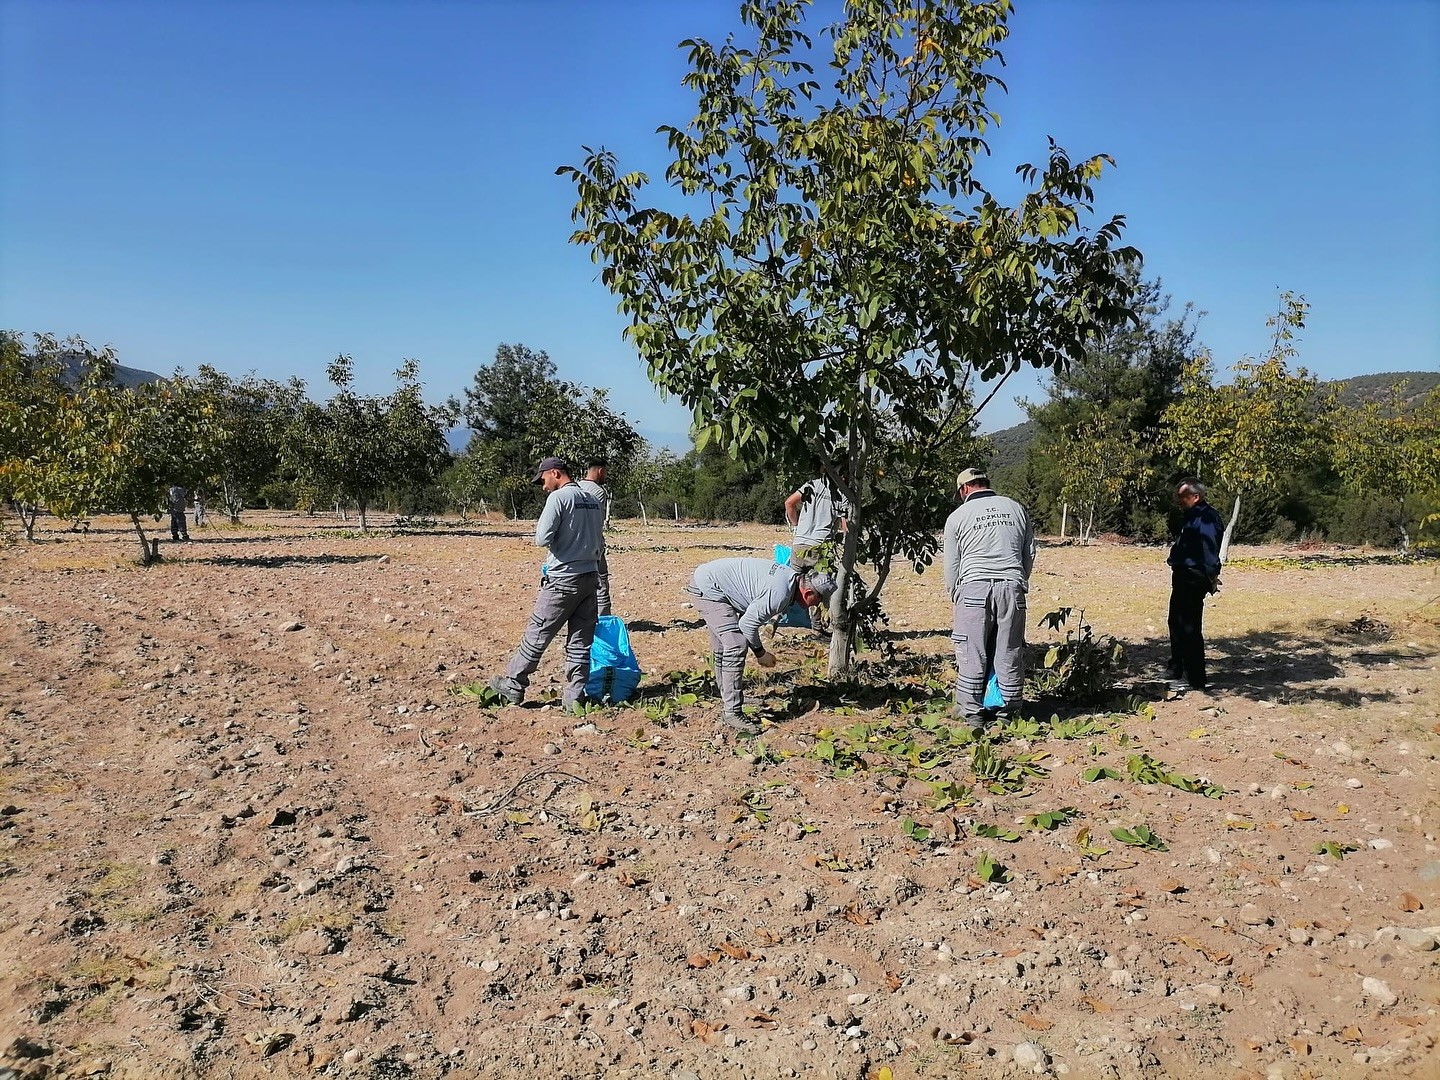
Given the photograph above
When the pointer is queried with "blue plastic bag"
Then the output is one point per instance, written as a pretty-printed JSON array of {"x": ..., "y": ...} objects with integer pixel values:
[
  {"x": 797, "y": 615},
  {"x": 614, "y": 670},
  {"x": 993, "y": 698}
]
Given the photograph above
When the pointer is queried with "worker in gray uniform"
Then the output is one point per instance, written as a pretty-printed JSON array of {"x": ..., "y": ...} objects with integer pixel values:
[
  {"x": 814, "y": 513},
  {"x": 989, "y": 551},
  {"x": 570, "y": 527},
  {"x": 594, "y": 485},
  {"x": 737, "y": 597}
]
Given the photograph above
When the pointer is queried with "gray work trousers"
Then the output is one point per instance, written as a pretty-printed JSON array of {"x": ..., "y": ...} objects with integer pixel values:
[
  {"x": 569, "y": 602},
  {"x": 602, "y": 588},
  {"x": 729, "y": 646},
  {"x": 989, "y": 634}
]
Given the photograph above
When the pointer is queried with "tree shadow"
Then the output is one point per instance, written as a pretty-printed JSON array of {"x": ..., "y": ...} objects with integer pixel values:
[
  {"x": 274, "y": 561},
  {"x": 645, "y": 626},
  {"x": 1291, "y": 666}
]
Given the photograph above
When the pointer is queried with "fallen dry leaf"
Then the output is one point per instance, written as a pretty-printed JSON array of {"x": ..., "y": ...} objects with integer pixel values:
[
  {"x": 1096, "y": 1005},
  {"x": 1035, "y": 1023},
  {"x": 701, "y": 960},
  {"x": 705, "y": 1032},
  {"x": 629, "y": 880},
  {"x": 1171, "y": 885},
  {"x": 964, "y": 1038},
  {"x": 1302, "y": 815},
  {"x": 735, "y": 952},
  {"x": 757, "y": 1019},
  {"x": 854, "y": 913},
  {"x": 1300, "y": 1047},
  {"x": 1350, "y": 1034},
  {"x": 1410, "y": 902},
  {"x": 893, "y": 981},
  {"x": 769, "y": 937}
]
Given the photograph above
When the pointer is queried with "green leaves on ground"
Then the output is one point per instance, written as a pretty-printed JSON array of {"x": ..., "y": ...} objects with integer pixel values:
[
  {"x": 988, "y": 870},
  {"x": 1140, "y": 836},
  {"x": 479, "y": 693},
  {"x": 1336, "y": 849},
  {"x": 1144, "y": 769}
]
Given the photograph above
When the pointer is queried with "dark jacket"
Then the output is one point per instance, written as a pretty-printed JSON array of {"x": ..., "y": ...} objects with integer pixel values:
[{"x": 1198, "y": 547}]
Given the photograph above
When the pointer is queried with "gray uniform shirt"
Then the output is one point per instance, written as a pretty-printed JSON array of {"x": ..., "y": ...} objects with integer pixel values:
[
  {"x": 758, "y": 588},
  {"x": 570, "y": 526},
  {"x": 600, "y": 494},
  {"x": 988, "y": 537},
  {"x": 818, "y": 514}
]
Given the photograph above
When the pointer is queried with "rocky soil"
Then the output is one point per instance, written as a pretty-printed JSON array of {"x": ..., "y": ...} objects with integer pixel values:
[{"x": 248, "y": 827}]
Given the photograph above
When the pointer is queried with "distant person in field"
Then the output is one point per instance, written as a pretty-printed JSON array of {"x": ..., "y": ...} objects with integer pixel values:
[
  {"x": 737, "y": 597},
  {"x": 989, "y": 552},
  {"x": 815, "y": 514},
  {"x": 176, "y": 498},
  {"x": 570, "y": 527},
  {"x": 1194, "y": 574},
  {"x": 594, "y": 485}
]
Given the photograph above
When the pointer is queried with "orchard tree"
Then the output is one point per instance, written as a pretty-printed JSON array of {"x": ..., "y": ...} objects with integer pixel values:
[
  {"x": 830, "y": 280},
  {"x": 1116, "y": 392},
  {"x": 1098, "y": 464},
  {"x": 649, "y": 474},
  {"x": 354, "y": 446},
  {"x": 1390, "y": 446},
  {"x": 520, "y": 410},
  {"x": 469, "y": 478},
  {"x": 33, "y": 393},
  {"x": 121, "y": 447},
  {"x": 252, "y": 416},
  {"x": 1253, "y": 432}
]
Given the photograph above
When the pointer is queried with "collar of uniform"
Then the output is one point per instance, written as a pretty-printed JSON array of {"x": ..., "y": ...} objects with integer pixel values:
[{"x": 982, "y": 493}]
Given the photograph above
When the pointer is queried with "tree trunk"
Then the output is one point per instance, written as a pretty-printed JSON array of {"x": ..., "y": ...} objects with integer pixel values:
[
  {"x": 148, "y": 554},
  {"x": 839, "y": 607},
  {"x": 643, "y": 516},
  {"x": 839, "y": 662},
  {"x": 28, "y": 514},
  {"x": 363, "y": 525},
  {"x": 1090, "y": 525},
  {"x": 1064, "y": 518},
  {"x": 677, "y": 511},
  {"x": 1229, "y": 531}
]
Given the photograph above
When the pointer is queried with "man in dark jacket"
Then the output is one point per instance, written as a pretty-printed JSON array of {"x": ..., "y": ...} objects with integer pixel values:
[{"x": 1195, "y": 574}]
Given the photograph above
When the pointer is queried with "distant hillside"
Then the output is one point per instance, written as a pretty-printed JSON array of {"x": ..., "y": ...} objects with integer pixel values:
[
  {"x": 124, "y": 376},
  {"x": 1011, "y": 443},
  {"x": 1363, "y": 388}
]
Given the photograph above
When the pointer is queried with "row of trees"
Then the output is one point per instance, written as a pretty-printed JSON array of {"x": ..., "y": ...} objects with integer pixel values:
[
  {"x": 1144, "y": 405},
  {"x": 76, "y": 442}
]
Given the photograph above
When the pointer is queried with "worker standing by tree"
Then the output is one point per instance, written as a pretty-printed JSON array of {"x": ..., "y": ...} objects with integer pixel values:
[
  {"x": 570, "y": 527},
  {"x": 594, "y": 485},
  {"x": 989, "y": 551}
]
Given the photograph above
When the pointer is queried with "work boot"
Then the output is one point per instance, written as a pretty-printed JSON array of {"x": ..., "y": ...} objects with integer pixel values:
[
  {"x": 507, "y": 689},
  {"x": 740, "y": 722}
]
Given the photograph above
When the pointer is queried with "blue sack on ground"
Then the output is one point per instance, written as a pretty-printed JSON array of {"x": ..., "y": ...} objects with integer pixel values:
[
  {"x": 993, "y": 698},
  {"x": 797, "y": 614},
  {"x": 614, "y": 670}
]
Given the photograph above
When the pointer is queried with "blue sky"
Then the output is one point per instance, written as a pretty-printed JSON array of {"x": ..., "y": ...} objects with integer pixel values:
[{"x": 262, "y": 185}]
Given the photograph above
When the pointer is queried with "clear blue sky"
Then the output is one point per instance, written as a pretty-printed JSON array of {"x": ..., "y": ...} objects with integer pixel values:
[{"x": 261, "y": 185}]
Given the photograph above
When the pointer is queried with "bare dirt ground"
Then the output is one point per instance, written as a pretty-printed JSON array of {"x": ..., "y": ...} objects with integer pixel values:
[{"x": 246, "y": 829}]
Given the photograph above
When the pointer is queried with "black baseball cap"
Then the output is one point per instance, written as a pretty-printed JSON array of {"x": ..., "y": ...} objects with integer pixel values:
[{"x": 546, "y": 464}]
